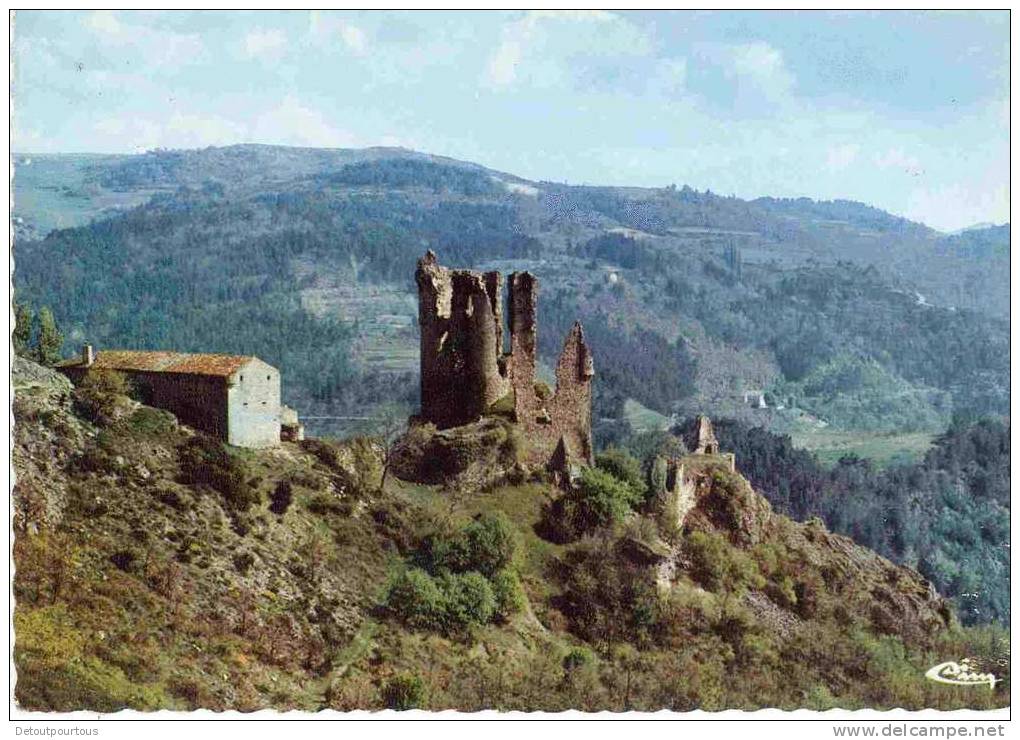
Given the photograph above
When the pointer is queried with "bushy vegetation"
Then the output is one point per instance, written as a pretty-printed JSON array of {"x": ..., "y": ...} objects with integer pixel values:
[
  {"x": 607, "y": 597},
  {"x": 485, "y": 545},
  {"x": 402, "y": 173},
  {"x": 719, "y": 567},
  {"x": 227, "y": 242},
  {"x": 405, "y": 691},
  {"x": 859, "y": 394},
  {"x": 144, "y": 595},
  {"x": 283, "y": 494},
  {"x": 205, "y": 461},
  {"x": 136, "y": 593},
  {"x": 947, "y": 516},
  {"x": 459, "y": 580},
  {"x": 100, "y": 394},
  {"x": 599, "y": 499}
]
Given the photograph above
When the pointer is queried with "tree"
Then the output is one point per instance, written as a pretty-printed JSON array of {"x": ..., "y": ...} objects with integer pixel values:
[
  {"x": 22, "y": 334},
  {"x": 405, "y": 691},
  {"x": 392, "y": 426},
  {"x": 49, "y": 340}
]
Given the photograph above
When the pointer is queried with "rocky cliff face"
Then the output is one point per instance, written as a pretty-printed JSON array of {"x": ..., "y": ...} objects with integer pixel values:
[
  {"x": 46, "y": 437},
  {"x": 819, "y": 566}
]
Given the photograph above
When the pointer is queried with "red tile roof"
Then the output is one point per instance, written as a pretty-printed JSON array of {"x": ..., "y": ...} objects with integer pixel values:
[{"x": 166, "y": 362}]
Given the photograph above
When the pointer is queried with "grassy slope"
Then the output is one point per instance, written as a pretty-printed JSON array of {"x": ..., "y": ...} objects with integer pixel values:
[
  {"x": 136, "y": 590},
  {"x": 830, "y": 445}
]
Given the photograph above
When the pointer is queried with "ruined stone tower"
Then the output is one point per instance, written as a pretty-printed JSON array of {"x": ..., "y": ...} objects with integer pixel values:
[{"x": 465, "y": 372}]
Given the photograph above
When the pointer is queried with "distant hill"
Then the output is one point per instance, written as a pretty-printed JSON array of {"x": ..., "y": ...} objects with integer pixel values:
[{"x": 305, "y": 257}]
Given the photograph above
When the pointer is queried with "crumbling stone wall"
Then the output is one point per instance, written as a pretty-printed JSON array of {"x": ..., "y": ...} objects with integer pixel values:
[
  {"x": 465, "y": 372},
  {"x": 699, "y": 436},
  {"x": 461, "y": 321}
]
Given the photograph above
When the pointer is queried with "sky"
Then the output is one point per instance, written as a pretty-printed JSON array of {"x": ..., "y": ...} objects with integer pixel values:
[{"x": 907, "y": 111}]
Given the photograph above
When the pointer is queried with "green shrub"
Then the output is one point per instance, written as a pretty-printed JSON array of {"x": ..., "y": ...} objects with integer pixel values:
[
  {"x": 415, "y": 599},
  {"x": 204, "y": 461},
  {"x": 448, "y": 603},
  {"x": 355, "y": 464},
  {"x": 125, "y": 560},
  {"x": 98, "y": 394},
  {"x": 783, "y": 592},
  {"x": 243, "y": 562},
  {"x": 468, "y": 599},
  {"x": 57, "y": 674},
  {"x": 624, "y": 467},
  {"x": 506, "y": 587},
  {"x": 503, "y": 407},
  {"x": 488, "y": 544},
  {"x": 543, "y": 390},
  {"x": 600, "y": 500},
  {"x": 405, "y": 691},
  {"x": 485, "y": 545},
  {"x": 152, "y": 422},
  {"x": 719, "y": 566},
  {"x": 325, "y": 504},
  {"x": 577, "y": 657},
  {"x": 607, "y": 597}
]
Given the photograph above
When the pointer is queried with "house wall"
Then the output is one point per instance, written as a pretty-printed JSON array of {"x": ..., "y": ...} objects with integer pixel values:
[
  {"x": 253, "y": 406},
  {"x": 196, "y": 400}
]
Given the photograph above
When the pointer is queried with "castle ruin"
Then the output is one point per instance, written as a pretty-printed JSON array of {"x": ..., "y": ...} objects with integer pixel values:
[{"x": 466, "y": 374}]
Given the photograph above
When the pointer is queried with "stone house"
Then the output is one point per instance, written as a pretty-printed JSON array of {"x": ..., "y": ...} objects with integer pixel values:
[{"x": 233, "y": 397}]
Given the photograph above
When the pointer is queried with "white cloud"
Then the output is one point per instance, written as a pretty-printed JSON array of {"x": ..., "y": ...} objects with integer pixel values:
[
  {"x": 105, "y": 22},
  {"x": 291, "y": 123},
  {"x": 30, "y": 140},
  {"x": 153, "y": 46},
  {"x": 839, "y": 157},
  {"x": 326, "y": 27},
  {"x": 670, "y": 76},
  {"x": 354, "y": 38},
  {"x": 957, "y": 206},
  {"x": 502, "y": 67},
  {"x": 178, "y": 131},
  {"x": 897, "y": 159},
  {"x": 296, "y": 124},
  {"x": 757, "y": 65},
  {"x": 546, "y": 46},
  {"x": 262, "y": 43}
]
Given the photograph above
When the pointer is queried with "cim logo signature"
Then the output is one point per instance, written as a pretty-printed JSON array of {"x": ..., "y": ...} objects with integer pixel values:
[{"x": 963, "y": 673}]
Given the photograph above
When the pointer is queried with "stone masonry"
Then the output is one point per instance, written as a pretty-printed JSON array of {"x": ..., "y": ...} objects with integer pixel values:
[{"x": 466, "y": 374}]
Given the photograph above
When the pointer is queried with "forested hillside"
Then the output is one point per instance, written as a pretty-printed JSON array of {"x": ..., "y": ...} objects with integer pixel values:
[{"x": 841, "y": 313}]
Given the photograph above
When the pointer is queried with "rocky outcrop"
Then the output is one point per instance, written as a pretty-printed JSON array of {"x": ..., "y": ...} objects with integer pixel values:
[
  {"x": 47, "y": 435},
  {"x": 470, "y": 457},
  {"x": 817, "y": 566}
]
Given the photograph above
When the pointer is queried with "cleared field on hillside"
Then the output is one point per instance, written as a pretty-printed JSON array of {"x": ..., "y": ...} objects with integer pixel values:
[
  {"x": 643, "y": 419},
  {"x": 882, "y": 449}
]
